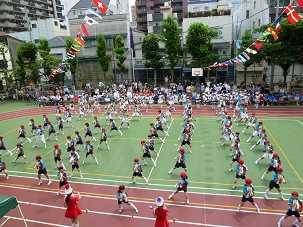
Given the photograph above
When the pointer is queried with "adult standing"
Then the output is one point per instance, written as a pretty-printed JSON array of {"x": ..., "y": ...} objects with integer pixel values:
[
  {"x": 160, "y": 213},
  {"x": 73, "y": 88},
  {"x": 180, "y": 88},
  {"x": 263, "y": 87},
  {"x": 140, "y": 86},
  {"x": 70, "y": 201},
  {"x": 267, "y": 89},
  {"x": 166, "y": 80},
  {"x": 291, "y": 84}
]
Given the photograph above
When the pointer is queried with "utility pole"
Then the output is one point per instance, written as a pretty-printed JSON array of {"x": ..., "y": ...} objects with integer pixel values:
[
  {"x": 28, "y": 25},
  {"x": 273, "y": 65}
]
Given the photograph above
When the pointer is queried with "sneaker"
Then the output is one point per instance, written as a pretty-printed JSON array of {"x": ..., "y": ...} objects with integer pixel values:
[
  {"x": 155, "y": 165},
  {"x": 144, "y": 163},
  {"x": 71, "y": 176},
  {"x": 157, "y": 155},
  {"x": 242, "y": 131},
  {"x": 237, "y": 123},
  {"x": 238, "y": 210},
  {"x": 11, "y": 154},
  {"x": 256, "y": 162},
  {"x": 169, "y": 197},
  {"x": 278, "y": 223},
  {"x": 230, "y": 169},
  {"x": 294, "y": 225},
  {"x": 45, "y": 146},
  {"x": 251, "y": 148},
  {"x": 121, "y": 134},
  {"x": 234, "y": 186},
  {"x": 136, "y": 210},
  {"x": 83, "y": 163},
  {"x": 97, "y": 148},
  {"x": 133, "y": 182},
  {"x": 81, "y": 175},
  {"x": 258, "y": 211},
  {"x": 265, "y": 197},
  {"x": 14, "y": 161},
  {"x": 247, "y": 141},
  {"x": 25, "y": 162},
  {"x": 40, "y": 182},
  {"x": 120, "y": 211},
  {"x": 108, "y": 148},
  {"x": 49, "y": 182},
  {"x": 47, "y": 139},
  {"x": 190, "y": 151},
  {"x": 7, "y": 177},
  {"x": 146, "y": 182},
  {"x": 34, "y": 146},
  {"x": 169, "y": 172},
  {"x": 187, "y": 201}
]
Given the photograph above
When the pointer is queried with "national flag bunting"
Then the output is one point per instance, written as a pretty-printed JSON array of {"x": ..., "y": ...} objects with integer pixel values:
[
  {"x": 71, "y": 52},
  {"x": 242, "y": 58},
  {"x": 292, "y": 15},
  {"x": 84, "y": 30},
  {"x": 74, "y": 49},
  {"x": 246, "y": 55},
  {"x": 80, "y": 37},
  {"x": 100, "y": 6},
  {"x": 90, "y": 21},
  {"x": 257, "y": 45},
  {"x": 278, "y": 26},
  {"x": 262, "y": 40},
  {"x": 78, "y": 42},
  {"x": 94, "y": 12},
  {"x": 272, "y": 32},
  {"x": 251, "y": 51},
  {"x": 265, "y": 34}
]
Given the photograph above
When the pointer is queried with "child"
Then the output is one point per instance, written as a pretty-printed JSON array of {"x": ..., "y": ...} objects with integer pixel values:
[
  {"x": 168, "y": 112},
  {"x": 227, "y": 134},
  {"x": 22, "y": 133},
  {"x": 58, "y": 112},
  {"x": 97, "y": 125},
  {"x": 60, "y": 123},
  {"x": 153, "y": 130},
  {"x": 68, "y": 115},
  {"x": 274, "y": 163},
  {"x": 51, "y": 129},
  {"x": 248, "y": 193},
  {"x": 39, "y": 164},
  {"x": 74, "y": 161},
  {"x": 137, "y": 168},
  {"x": 180, "y": 161},
  {"x": 78, "y": 138},
  {"x": 71, "y": 106},
  {"x": 145, "y": 149},
  {"x": 252, "y": 121},
  {"x": 236, "y": 153},
  {"x": 235, "y": 140},
  {"x": 107, "y": 114},
  {"x": 32, "y": 124},
  {"x": 89, "y": 109},
  {"x": 136, "y": 112},
  {"x": 62, "y": 176},
  {"x": 295, "y": 207},
  {"x": 70, "y": 146},
  {"x": 262, "y": 138},
  {"x": 268, "y": 149},
  {"x": 113, "y": 126},
  {"x": 88, "y": 131},
  {"x": 162, "y": 118},
  {"x": 257, "y": 130},
  {"x": 103, "y": 138},
  {"x": 45, "y": 120},
  {"x": 186, "y": 140},
  {"x": 151, "y": 144},
  {"x": 122, "y": 198},
  {"x": 278, "y": 178},
  {"x": 159, "y": 125},
  {"x": 81, "y": 109},
  {"x": 20, "y": 152},
  {"x": 181, "y": 186},
  {"x": 40, "y": 136},
  {"x": 3, "y": 168},
  {"x": 2, "y": 147},
  {"x": 125, "y": 118},
  {"x": 57, "y": 156},
  {"x": 241, "y": 171},
  {"x": 89, "y": 150},
  {"x": 244, "y": 114}
]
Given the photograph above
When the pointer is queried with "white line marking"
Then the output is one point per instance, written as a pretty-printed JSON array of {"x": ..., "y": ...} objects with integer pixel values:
[
  {"x": 159, "y": 152},
  {"x": 4, "y": 222},
  {"x": 300, "y": 122},
  {"x": 34, "y": 221}
]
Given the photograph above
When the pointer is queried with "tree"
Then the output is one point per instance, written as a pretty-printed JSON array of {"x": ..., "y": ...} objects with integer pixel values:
[
  {"x": 287, "y": 49},
  {"x": 103, "y": 57},
  {"x": 150, "y": 44},
  {"x": 20, "y": 71},
  {"x": 119, "y": 51},
  {"x": 172, "y": 42},
  {"x": 72, "y": 63},
  {"x": 199, "y": 44}
]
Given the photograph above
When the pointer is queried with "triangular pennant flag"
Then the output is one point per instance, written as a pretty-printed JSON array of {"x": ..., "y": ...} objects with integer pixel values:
[
  {"x": 251, "y": 51},
  {"x": 242, "y": 58},
  {"x": 292, "y": 15},
  {"x": 94, "y": 12},
  {"x": 262, "y": 40},
  {"x": 246, "y": 55},
  {"x": 265, "y": 34},
  {"x": 278, "y": 26},
  {"x": 80, "y": 37},
  {"x": 272, "y": 32},
  {"x": 257, "y": 45},
  {"x": 90, "y": 21},
  {"x": 84, "y": 30},
  {"x": 78, "y": 42},
  {"x": 71, "y": 55},
  {"x": 71, "y": 52},
  {"x": 76, "y": 46},
  {"x": 238, "y": 60},
  {"x": 208, "y": 68},
  {"x": 100, "y": 6},
  {"x": 74, "y": 49}
]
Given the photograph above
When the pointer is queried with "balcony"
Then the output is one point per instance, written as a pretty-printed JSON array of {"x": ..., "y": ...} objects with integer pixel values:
[
  {"x": 176, "y": 7},
  {"x": 60, "y": 16},
  {"x": 19, "y": 17},
  {"x": 139, "y": 11},
  {"x": 160, "y": 2},
  {"x": 45, "y": 13},
  {"x": 16, "y": 1},
  {"x": 16, "y": 8},
  {"x": 33, "y": 18},
  {"x": 31, "y": 4},
  {"x": 207, "y": 13},
  {"x": 32, "y": 11},
  {"x": 10, "y": 25},
  {"x": 7, "y": 16},
  {"x": 58, "y": 3},
  {"x": 44, "y": 6},
  {"x": 140, "y": 3}
]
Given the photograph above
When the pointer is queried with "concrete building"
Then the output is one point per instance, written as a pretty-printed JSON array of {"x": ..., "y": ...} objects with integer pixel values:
[
  {"x": 208, "y": 5},
  {"x": 13, "y": 12},
  {"x": 144, "y": 7},
  {"x": 48, "y": 29},
  {"x": 133, "y": 13}
]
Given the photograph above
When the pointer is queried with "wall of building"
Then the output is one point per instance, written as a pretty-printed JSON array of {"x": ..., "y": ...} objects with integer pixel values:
[{"x": 9, "y": 63}]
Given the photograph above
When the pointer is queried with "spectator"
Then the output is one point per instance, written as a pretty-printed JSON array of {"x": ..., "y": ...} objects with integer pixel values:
[
  {"x": 243, "y": 86},
  {"x": 92, "y": 91},
  {"x": 207, "y": 89},
  {"x": 227, "y": 88},
  {"x": 266, "y": 99},
  {"x": 192, "y": 89},
  {"x": 291, "y": 85},
  {"x": 197, "y": 87},
  {"x": 126, "y": 85},
  {"x": 208, "y": 83},
  {"x": 187, "y": 89},
  {"x": 223, "y": 89},
  {"x": 266, "y": 89},
  {"x": 202, "y": 87},
  {"x": 180, "y": 88},
  {"x": 276, "y": 89},
  {"x": 250, "y": 89},
  {"x": 65, "y": 90},
  {"x": 166, "y": 80},
  {"x": 258, "y": 88},
  {"x": 263, "y": 87},
  {"x": 73, "y": 88},
  {"x": 282, "y": 91},
  {"x": 140, "y": 86}
]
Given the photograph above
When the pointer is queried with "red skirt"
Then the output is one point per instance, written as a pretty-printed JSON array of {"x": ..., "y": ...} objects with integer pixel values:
[{"x": 73, "y": 212}]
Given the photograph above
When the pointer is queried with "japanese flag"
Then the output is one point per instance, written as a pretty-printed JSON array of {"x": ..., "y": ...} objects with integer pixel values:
[{"x": 100, "y": 6}]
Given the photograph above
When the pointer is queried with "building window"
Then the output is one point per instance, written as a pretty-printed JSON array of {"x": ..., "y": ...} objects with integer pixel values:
[
  {"x": 196, "y": 9},
  {"x": 247, "y": 14},
  {"x": 109, "y": 43},
  {"x": 179, "y": 15},
  {"x": 56, "y": 23},
  {"x": 80, "y": 12},
  {"x": 254, "y": 25},
  {"x": 255, "y": 3},
  {"x": 224, "y": 52},
  {"x": 142, "y": 1},
  {"x": 206, "y": 8},
  {"x": 1, "y": 64},
  {"x": 36, "y": 41},
  {"x": 143, "y": 9},
  {"x": 144, "y": 17},
  {"x": 259, "y": 22},
  {"x": 34, "y": 26},
  {"x": 74, "y": 13},
  {"x": 94, "y": 42}
]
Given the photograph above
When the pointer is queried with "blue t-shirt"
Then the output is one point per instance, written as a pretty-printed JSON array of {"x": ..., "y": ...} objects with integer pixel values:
[{"x": 245, "y": 189}]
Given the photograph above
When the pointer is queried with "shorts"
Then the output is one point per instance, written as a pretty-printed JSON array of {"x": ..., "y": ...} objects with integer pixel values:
[
  {"x": 238, "y": 108},
  {"x": 291, "y": 213},
  {"x": 242, "y": 176},
  {"x": 163, "y": 120},
  {"x": 97, "y": 126},
  {"x": 271, "y": 168},
  {"x": 79, "y": 142},
  {"x": 2, "y": 148},
  {"x": 181, "y": 189},
  {"x": 42, "y": 171},
  {"x": 255, "y": 133},
  {"x": 139, "y": 174},
  {"x": 57, "y": 159},
  {"x": 251, "y": 124},
  {"x": 244, "y": 115},
  {"x": 235, "y": 160},
  {"x": 155, "y": 135},
  {"x": 182, "y": 165},
  {"x": 146, "y": 155},
  {"x": 104, "y": 139},
  {"x": 185, "y": 142},
  {"x": 244, "y": 199},
  {"x": 261, "y": 142},
  {"x": 34, "y": 128},
  {"x": 68, "y": 119},
  {"x": 88, "y": 153},
  {"x": 75, "y": 166},
  {"x": 123, "y": 201},
  {"x": 19, "y": 155},
  {"x": 114, "y": 128},
  {"x": 273, "y": 184},
  {"x": 57, "y": 115},
  {"x": 151, "y": 148},
  {"x": 125, "y": 119},
  {"x": 60, "y": 126},
  {"x": 28, "y": 98},
  {"x": 62, "y": 183},
  {"x": 160, "y": 128},
  {"x": 22, "y": 135},
  {"x": 45, "y": 124},
  {"x": 88, "y": 134},
  {"x": 53, "y": 131},
  {"x": 267, "y": 155},
  {"x": 70, "y": 149}
]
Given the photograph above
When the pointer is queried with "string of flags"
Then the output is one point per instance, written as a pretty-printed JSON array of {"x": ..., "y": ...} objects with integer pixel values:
[
  {"x": 293, "y": 18},
  {"x": 79, "y": 41}
]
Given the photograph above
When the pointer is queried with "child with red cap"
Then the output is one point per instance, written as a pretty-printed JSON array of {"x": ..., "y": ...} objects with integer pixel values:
[
  {"x": 295, "y": 207},
  {"x": 180, "y": 161},
  {"x": 151, "y": 143},
  {"x": 88, "y": 131},
  {"x": 60, "y": 123},
  {"x": 248, "y": 193},
  {"x": 2, "y": 147},
  {"x": 96, "y": 123},
  {"x": 62, "y": 176},
  {"x": 274, "y": 163},
  {"x": 137, "y": 168},
  {"x": 103, "y": 138},
  {"x": 74, "y": 161},
  {"x": 257, "y": 130},
  {"x": 113, "y": 126},
  {"x": 70, "y": 146},
  {"x": 39, "y": 164},
  {"x": 236, "y": 153},
  {"x": 268, "y": 151},
  {"x": 236, "y": 139},
  {"x": 262, "y": 139},
  {"x": 125, "y": 118},
  {"x": 162, "y": 118},
  {"x": 181, "y": 185},
  {"x": 240, "y": 172},
  {"x": 89, "y": 151},
  {"x": 20, "y": 152},
  {"x": 153, "y": 130},
  {"x": 252, "y": 121},
  {"x": 145, "y": 149},
  {"x": 278, "y": 178},
  {"x": 22, "y": 133},
  {"x": 3, "y": 168},
  {"x": 158, "y": 124},
  {"x": 186, "y": 140},
  {"x": 32, "y": 124},
  {"x": 227, "y": 134},
  {"x": 122, "y": 198},
  {"x": 57, "y": 155},
  {"x": 78, "y": 139},
  {"x": 40, "y": 136}
]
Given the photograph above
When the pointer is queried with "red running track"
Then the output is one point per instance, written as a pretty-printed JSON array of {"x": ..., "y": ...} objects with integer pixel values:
[
  {"x": 42, "y": 207},
  {"x": 283, "y": 111}
]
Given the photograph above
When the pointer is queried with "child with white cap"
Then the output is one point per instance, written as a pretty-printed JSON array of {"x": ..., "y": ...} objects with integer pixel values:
[{"x": 160, "y": 213}]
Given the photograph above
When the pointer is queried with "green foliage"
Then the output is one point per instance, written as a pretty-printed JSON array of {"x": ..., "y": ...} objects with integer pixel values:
[
  {"x": 104, "y": 58},
  {"x": 150, "y": 44},
  {"x": 199, "y": 43},
  {"x": 72, "y": 63},
  {"x": 119, "y": 54},
  {"x": 29, "y": 51},
  {"x": 20, "y": 74},
  {"x": 172, "y": 42},
  {"x": 2, "y": 91}
]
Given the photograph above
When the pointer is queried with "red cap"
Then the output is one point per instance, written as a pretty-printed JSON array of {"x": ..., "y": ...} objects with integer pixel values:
[
  {"x": 236, "y": 145},
  {"x": 263, "y": 129},
  {"x": 246, "y": 105},
  {"x": 157, "y": 117},
  {"x": 76, "y": 132},
  {"x": 21, "y": 126},
  {"x": 260, "y": 122},
  {"x": 241, "y": 161},
  {"x": 275, "y": 155},
  {"x": 44, "y": 115},
  {"x": 48, "y": 122},
  {"x": 60, "y": 117},
  {"x": 56, "y": 146},
  {"x": 95, "y": 117},
  {"x": 227, "y": 125},
  {"x": 151, "y": 123},
  {"x": 86, "y": 123},
  {"x": 136, "y": 159},
  {"x": 183, "y": 174},
  {"x": 68, "y": 136},
  {"x": 248, "y": 181},
  {"x": 295, "y": 193},
  {"x": 225, "y": 112},
  {"x": 279, "y": 169},
  {"x": 182, "y": 150},
  {"x": 1, "y": 137},
  {"x": 38, "y": 156},
  {"x": 237, "y": 132},
  {"x": 267, "y": 141},
  {"x": 18, "y": 144},
  {"x": 186, "y": 130},
  {"x": 103, "y": 129},
  {"x": 71, "y": 100},
  {"x": 142, "y": 141},
  {"x": 39, "y": 125},
  {"x": 60, "y": 167},
  {"x": 87, "y": 141},
  {"x": 31, "y": 119},
  {"x": 121, "y": 186},
  {"x": 253, "y": 113},
  {"x": 63, "y": 105},
  {"x": 73, "y": 152},
  {"x": 159, "y": 110},
  {"x": 149, "y": 135},
  {"x": 111, "y": 119},
  {"x": 188, "y": 120}
]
